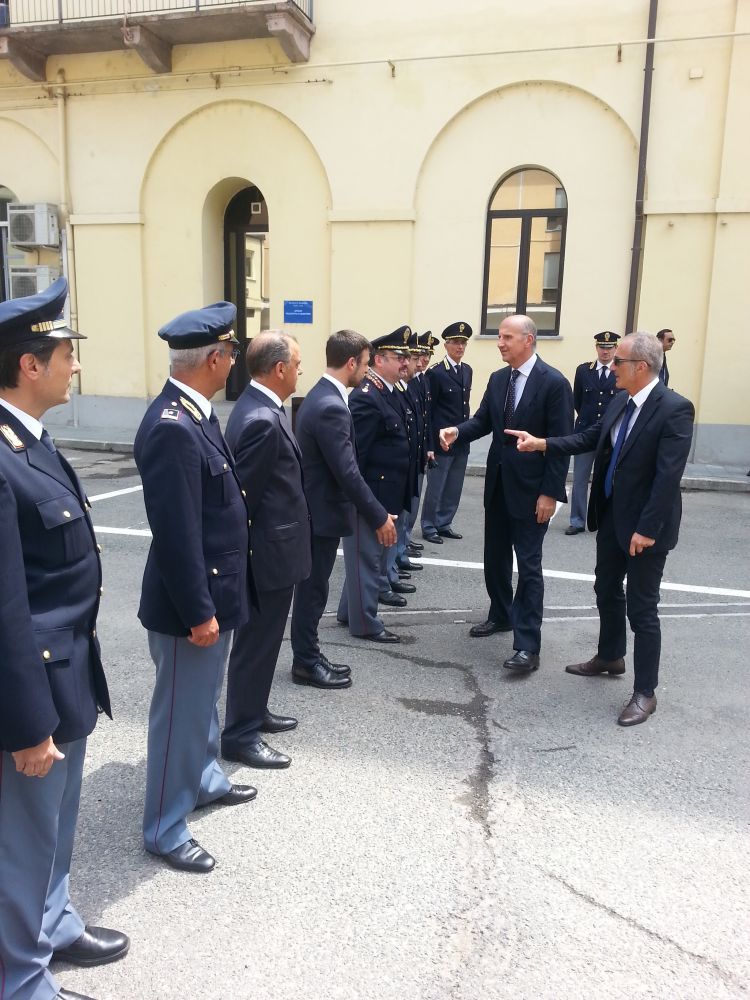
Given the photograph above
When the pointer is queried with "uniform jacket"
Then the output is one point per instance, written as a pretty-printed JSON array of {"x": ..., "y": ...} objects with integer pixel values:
[
  {"x": 417, "y": 391},
  {"x": 198, "y": 565},
  {"x": 591, "y": 397},
  {"x": 406, "y": 405},
  {"x": 450, "y": 391},
  {"x": 269, "y": 466},
  {"x": 51, "y": 677},
  {"x": 546, "y": 408},
  {"x": 383, "y": 449},
  {"x": 334, "y": 485},
  {"x": 646, "y": 486}
]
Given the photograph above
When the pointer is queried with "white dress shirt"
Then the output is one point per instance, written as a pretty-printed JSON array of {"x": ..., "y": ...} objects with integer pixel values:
[
  {"x": 198, "y": 398},
  {"x": 639, "y": 399},
  {"x": 524, "y": 372},
  {"x": 341, "y": 388},
  {"x": 267, "y": 392},
  {"x": 30, "y": 423}
]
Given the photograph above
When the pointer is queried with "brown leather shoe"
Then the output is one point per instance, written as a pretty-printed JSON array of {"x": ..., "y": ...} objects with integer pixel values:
[
  {"x": 637, "y": 709},
  {"x": 596, "y": 665}
]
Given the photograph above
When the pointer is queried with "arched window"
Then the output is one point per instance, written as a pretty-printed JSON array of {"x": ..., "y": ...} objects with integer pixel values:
[{"x": 524, "y": 251}]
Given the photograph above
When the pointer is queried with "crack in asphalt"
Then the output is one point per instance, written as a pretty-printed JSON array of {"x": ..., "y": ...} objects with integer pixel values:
[{"x": 726, "y": 977}]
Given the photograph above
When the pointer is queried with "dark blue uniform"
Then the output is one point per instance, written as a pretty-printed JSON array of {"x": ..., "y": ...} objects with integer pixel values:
[
  {"x": 450, "y": 389},
  {"x": 592, "y": 394},
  {"x": 197, "y": 569},
  {"x": 385, "y": 457}
]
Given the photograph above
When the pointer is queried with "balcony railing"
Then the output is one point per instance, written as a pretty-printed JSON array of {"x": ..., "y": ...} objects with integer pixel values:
[{"x": 64, "y": 11}]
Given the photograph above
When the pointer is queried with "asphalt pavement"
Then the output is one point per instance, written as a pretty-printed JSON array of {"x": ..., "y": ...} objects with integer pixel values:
[{"x": 445, "y": 831}]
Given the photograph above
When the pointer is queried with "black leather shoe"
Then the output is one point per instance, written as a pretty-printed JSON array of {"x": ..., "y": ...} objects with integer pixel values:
[
  {"x": 257, "y": 754},
  {"x": 384, "y": 636},
  {"x": 70, "y": 995},
  {"x": 572, "y": 530},
  {"x": 236, "y": 795},
  {"x": 435, "y": 539},
  {"x": 392, "y": 600},
  {"x": 319, "y": 676},
  {"x": 277, "y": 723},
  {"x": 449, "y": 533},
  {"x": 415, "y": 545},
  {"x": 189, "y": 857},
  {"x": 409, "y": 566},
  {"x": 402, "y": 574},
  {"x": 403, "y": 588},
  {"x": 336, "y": 668},
  {"x": 96, "y": 946},
  {"x": 489, "y": 628},
  {"x": 522, "y": 661}
]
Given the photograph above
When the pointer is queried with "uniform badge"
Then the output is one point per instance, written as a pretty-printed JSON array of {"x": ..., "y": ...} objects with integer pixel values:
[
  {"x": 170, "y": 414},
  {"x": 365, "y": 388},
  {"x": 461, "y": 327},
  {"x": 407, "y": 334},
  {"x": 192, "y": 409},
  {"x": 12, "y": 438}
]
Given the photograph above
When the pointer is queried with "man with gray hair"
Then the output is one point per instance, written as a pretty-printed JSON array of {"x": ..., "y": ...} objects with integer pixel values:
[
  {"x": 269, "y": 466},
  {"x": 642, "y": 445},
  {"x": 196, "y": 583}
]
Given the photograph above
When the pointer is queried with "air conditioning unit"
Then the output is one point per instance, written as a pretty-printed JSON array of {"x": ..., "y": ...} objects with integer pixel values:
[
  {"x": 30, "y": 280},
  {"x": 33, "y": 225}
]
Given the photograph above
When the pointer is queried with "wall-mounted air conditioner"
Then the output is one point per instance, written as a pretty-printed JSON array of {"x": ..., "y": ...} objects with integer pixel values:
[
  {"x": 30, "y": 280},
  {"x": 33, "y": 225}
]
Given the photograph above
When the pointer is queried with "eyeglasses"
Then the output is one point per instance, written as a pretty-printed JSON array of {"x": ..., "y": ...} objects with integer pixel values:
[
  {"x": 235, "y": 353},
  {"x": 621, "y": 361}
]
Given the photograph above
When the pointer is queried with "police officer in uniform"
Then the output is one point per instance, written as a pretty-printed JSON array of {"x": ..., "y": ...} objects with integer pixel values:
[
  {"x": 419, "y": 389},
  {"x": 593, "y": 389},
  {"x": 52, "y": 684},
  {"x": 450, "y": 387},
  {"x": 384, "y": 455},
  {"x": 197, "y": 581}
]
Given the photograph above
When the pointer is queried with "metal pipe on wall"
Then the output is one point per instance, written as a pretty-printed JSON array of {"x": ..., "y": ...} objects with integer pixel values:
[{"x": 640, "y": 187}]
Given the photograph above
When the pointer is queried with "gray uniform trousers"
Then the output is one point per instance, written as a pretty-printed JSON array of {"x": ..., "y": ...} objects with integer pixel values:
[
  {"x": 582, "y": 466},
  {"x": 183, "y": 737},
  {"x": 37, "y": 829},
  {"x": 414, "y": 508},
  {"x": 395, "y": 552},
  {"x": 443, "y": 494},
  {"x": 365, "y": 564}
]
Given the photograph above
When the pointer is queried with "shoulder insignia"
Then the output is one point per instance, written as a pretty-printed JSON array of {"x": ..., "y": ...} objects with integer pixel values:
[
  {"x": 170, "y": 414},
  {"x": 12, "y": 438},
  {"x": 447, "y": 364},
  {"x": 400, "y": 387},
  {"x": 592, "y": 366},
  {"x": 365, "y": 388},
  {"x": 377, "y": 382},
  {"x": 192, "y": 409}
]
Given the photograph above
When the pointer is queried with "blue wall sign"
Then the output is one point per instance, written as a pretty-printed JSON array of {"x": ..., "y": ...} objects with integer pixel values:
[{"x": 298, "y": 311}]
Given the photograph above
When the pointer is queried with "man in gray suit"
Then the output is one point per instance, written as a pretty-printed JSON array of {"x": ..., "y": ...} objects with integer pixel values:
[
  {"x": 337, "y": 495},
  {"x": 269, "y": 466}
]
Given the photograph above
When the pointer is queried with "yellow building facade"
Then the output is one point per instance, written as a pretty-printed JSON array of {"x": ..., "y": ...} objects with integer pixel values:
[{"x": 345, "y": 160}]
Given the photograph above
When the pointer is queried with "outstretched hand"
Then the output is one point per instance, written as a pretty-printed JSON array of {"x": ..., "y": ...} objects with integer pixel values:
[
  {"x": 447, "y": 436},
  {"x": 526, "y": 441}
]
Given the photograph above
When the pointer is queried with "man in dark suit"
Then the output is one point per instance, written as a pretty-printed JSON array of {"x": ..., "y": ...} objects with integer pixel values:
[
  {"x": 269, "y": 466},
  {"x": 450, "y": 389},
  {"x": 642, "y": 445},
  {"x": 519, "y": 495},
  {"x": 338, "y": 498},
  {"x": 593, "y": 391},
  {"x": 52, "y": 684},
  {"x": 197, "y": 581},
  {"x": 384, "y": 455},
  {"x": 667, "y": 339}
]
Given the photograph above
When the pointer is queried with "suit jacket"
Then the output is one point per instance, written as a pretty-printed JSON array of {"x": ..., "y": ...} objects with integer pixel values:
[
  {"x": 383, "y": 449},
  {"x": 546, "y": 404},
  {"x": 646, "y": 486},
  {"x": 591, "y": 395},
  {"x": 51, "y": 677},
  {"x": 334, "y": 485},
  {"x": 450, "y": 392},
  {"x": 664, "y": 373},
  {"x": 198, "y": 565},
  {"x": 269, "y": 466}
]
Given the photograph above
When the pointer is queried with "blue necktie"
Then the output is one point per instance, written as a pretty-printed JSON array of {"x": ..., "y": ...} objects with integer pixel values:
[
  {"x": 621, "y": 434},
  {"x": 47, "y": 441}
]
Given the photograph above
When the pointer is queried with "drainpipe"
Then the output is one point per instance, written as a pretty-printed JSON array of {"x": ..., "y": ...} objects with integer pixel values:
[
  {"x": 635, "y": 262},
  {"x": 64, "y": 207}
]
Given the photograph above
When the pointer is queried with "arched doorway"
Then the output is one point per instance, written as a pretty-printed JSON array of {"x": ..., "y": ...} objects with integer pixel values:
[
  {"x": 6, "y": 196},
  {"x": 246, "y": 273}
]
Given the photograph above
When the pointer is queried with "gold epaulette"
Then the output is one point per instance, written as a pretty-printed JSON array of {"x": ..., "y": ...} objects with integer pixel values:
[
  {"x": 12, "y": 438},
  {"x": 592, "y": 366},
  {"x": 192, "y": 409},
  {"x": 377, "y": 382}
]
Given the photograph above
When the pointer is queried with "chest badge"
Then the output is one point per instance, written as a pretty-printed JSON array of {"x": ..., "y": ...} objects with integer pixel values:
[{"x": 12, "y": 438}]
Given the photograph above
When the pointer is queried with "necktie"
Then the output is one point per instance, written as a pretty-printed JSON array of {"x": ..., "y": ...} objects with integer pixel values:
[
  {"x": 621, "y": 434},
  {"x": 213, "y": 419},
  {"x": 602, "y": 373},
  {"x": 48, "y": 443},
  {"x": 510, "y": 399}
]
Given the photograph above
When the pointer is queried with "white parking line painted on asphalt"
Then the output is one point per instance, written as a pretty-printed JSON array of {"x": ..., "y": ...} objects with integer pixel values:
[
  {"x": 554, "y": 574},
  {"x": 116, "y": 493}
]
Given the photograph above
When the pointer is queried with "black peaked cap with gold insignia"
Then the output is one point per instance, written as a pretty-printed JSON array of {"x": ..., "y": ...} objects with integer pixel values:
[
  {"x": 34, "y": 316},
  {"x": 427, "y": 343},
  {"x": 398, "y": 340},
  {"x": 212, "y": 324},
  {"x": 606, "y": 338},
  {"x": 457, "y": 331}
]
